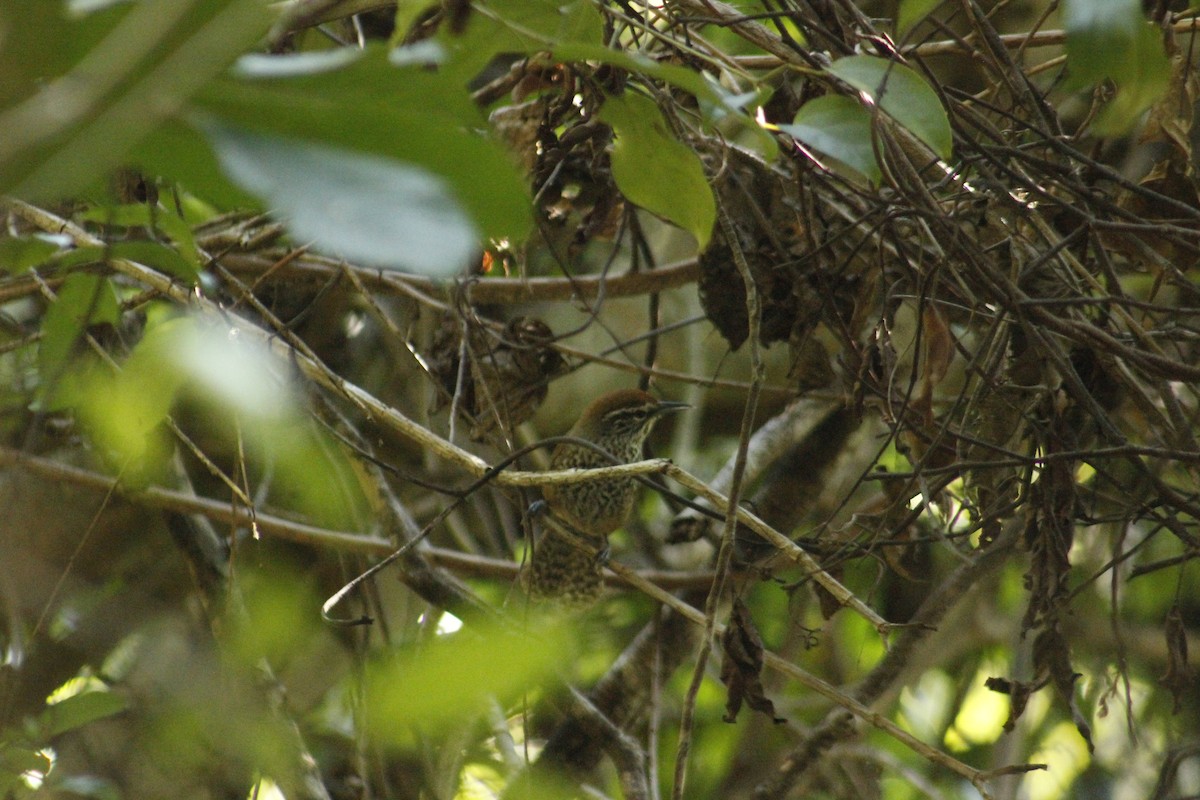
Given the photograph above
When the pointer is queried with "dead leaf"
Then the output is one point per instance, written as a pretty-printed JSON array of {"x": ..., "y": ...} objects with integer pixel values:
[
  {"x": 1179, "y": 677},
  {"x": 741, "y": 671}
]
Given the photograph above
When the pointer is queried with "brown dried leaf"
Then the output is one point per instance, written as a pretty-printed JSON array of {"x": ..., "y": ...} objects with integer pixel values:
[
  {"x": 741, "y": 671},
  {"x": 1019, "y": 694},
  {"x": 1052, "y": 661},
  {"x": 1179, "y": 677},
  {"x": 938, "y": 350}
]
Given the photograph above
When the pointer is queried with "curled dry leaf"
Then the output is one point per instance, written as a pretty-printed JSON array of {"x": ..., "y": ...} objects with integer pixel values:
[
  {"x": 741, "y": 670},
  {"x": 1179, "y": 677}
]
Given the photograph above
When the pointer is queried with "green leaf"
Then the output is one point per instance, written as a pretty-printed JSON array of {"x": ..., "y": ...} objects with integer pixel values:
[
  {"x": 414, "y": 136},
  {"x": 1138, "y": 89},
  {"x": 448, "y": 682},
  {"x": 1100, "y": 38},
  {"x": 372, "y": 76},
  {"x": 83, "y": 300},
  {"x": 656, "y": 171},
  {"x": 1111, "y": 40},
  {"x": 62, "y": 138},
  {"x": 913, "y": 11},
  {"x": 78, "y": 710},
  {"x": 358, "y": 206},
  {"x": 234, "y": 378},
  {"x": 19, "y": 253},
  {"x": 840, "y": 128},
  {"x": 15, "y": 760},
  {"x": 521, "y": 26},
  {"x": 902, "y": 94},
  {"x": 179, "y": 152},
  {"x": 158, "y": 256},
  {"x": 136, "y": 215},
  {"x": 715, "y": 102}
]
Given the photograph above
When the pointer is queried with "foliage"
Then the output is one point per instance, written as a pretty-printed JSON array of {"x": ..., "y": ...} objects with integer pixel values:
[{"x": 287, "y": 288}]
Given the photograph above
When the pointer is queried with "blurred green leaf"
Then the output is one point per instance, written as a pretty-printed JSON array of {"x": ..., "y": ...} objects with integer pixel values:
[
  {"x": 361, "y": 207},
  {"x": 838, "y": 127},
  {"x": 519, "y": 26},
  {"x": 903, "y": 94},
  {"x": 242, "y": 383},
  {"x": 1112, "y": 40},
  {"x": 527, "y": 25},
  {"x": 408, "y": 12},
  {"x": 156, "y": 218},
  {"x": 19, "y": 253},
  {"x": 78, "y": 710},
  {"x": 16, "y": 763},
  {"x": 49, "y": 42},
  {"x": 83, "y": 300},
  {"x": 62, "y": 138},
  {"x": 159, "y": 256},
  {"x": 445, "y": 683},
  {"x": 913, "y": 11},
  {"x": 1101, "y": 39},
  {"x": 369, "y": 77},
  {"x": 478, "y": 172},
  {"x": 182, "y": 153},
  {"x": 656, "y": 171},
  {"x": 281, "y": 614}
]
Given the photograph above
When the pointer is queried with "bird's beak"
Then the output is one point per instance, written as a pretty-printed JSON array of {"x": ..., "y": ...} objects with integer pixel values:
[{"x": 666, "y": 406}]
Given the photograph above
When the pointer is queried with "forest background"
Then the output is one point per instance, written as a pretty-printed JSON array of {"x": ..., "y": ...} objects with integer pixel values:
[{"x": 291, "y": 289}]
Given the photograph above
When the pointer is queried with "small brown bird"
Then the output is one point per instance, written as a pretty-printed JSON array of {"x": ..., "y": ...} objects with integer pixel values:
[{"x": 565, "y": 563}]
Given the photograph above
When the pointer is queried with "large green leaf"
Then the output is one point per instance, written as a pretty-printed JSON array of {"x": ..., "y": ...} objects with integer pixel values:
[
  {"x": 902, "y": 94},
  {"x": 838, "y": 127},
  {"x": 419, "y": 147},
  {"x": 363, "y": 207},
  {"x": 1138, "y": 89},
  {"x": 60, "y": 139},
  {"x": 1111, "y": 40},
  {"x": 1100, "y": 38},
  {"x": 656, "y": 171},
  {"x": 372, "y": 77}
]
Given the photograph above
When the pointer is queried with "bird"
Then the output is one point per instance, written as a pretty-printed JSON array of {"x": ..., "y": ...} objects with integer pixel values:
[{"x": 564, "y": 565}]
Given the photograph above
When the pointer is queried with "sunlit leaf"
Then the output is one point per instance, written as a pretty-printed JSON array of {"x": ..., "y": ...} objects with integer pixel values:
[
  {"x": 78, "y": 710},
  {"x": 15, "y": 761},
  {"x": 840, "y": 128},
  {"x": 655, "y": 170},
  {"x": 903, "y": 94}
]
